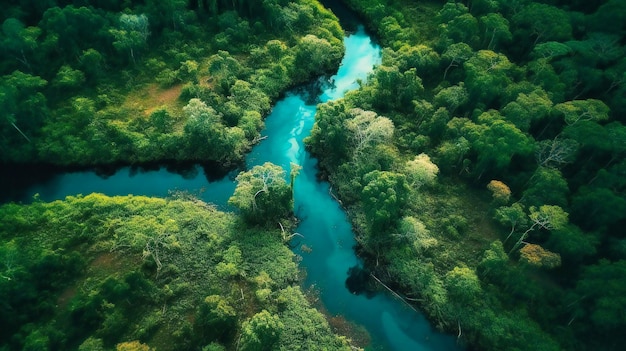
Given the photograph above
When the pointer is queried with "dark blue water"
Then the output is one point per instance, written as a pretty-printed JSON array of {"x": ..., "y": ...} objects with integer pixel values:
[{"x": 324, "y": 225}]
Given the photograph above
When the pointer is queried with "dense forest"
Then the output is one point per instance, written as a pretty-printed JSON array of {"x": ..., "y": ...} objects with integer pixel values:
[
  {"x": 482, "y": 165},
  {"x": 101, "y": 273},
  {"x": 113, "y": 82}
]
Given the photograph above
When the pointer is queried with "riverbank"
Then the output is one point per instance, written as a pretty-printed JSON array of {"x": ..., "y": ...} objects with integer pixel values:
[
  {"x": 445, "y": 163},
  {"x": 136, "y": 112},
  {"x": 323, "y": 226},
  {"x": 99, "y": 272}
]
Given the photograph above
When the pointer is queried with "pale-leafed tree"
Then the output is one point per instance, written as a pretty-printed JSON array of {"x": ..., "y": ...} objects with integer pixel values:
[
  {"x": 413, "y": 231},
  {"x": 368, "y": 129},
  {"x": 514, "y": 216},
  {"x": 420, "y": 171},
  {"x": 132, "y": 33},
  {"x": 262, "y": 194}
]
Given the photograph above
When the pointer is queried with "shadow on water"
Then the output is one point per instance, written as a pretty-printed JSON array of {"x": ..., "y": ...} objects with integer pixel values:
[
  {"x": 350, "y": 22},
  {"x": 310, "y": 92},
  {"x": 22, "y": 182},
  {"x": 359, "y": 282}
]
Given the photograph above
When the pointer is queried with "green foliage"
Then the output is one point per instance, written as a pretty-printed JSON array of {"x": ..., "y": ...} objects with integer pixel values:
[
  {"x": 415, "y": 233},
  {"x": 68, "y": 78},
  {"x": 132, "y": 33},
  {"x": 422, "y": 58},
  {"x": 261, "y": 332},
  {"x": 329, "y": 136},
  {"x": 117, "y": 54},
  {"x": 452, "y": 97},
  {"x": 496, "y": 30},
  {"x": 498, "y": 143},
  {"x": 598, "y": 206},
  {"x": 421, "y": 280},
  {"x": 231, "y": 264},
  {"x": 528, "y": 109},
  {"x": 520, "y": 79},
  {"x": 513, "y": 72},
  {"x": 543, "y": 23},
  {"x": 304, "y": 328},
  {"x": 572, "y": 244},
  {"x": 367, "y": 129},
  {"x": 601, "y": 299},
  {"x": 421, "y": 171},
  {"x": 263, "y": 195},
  {"x": 314, "y": 55},
  {"x": 463, "y": 285},
  {"x": 488, "y": 74},
  {"x": 546, "y": 186},
  {"x": 216, "y": 319},
  {"x": 384, "y": 196},
  {"x": 24, "y": 107},
  {"x": 207, "y": 138},
  {"x": 86, "y": 275},
  {"x": 456, "y": 54}
]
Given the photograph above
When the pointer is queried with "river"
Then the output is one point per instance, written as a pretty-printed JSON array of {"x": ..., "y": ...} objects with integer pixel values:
[{"x": 327, "y": 233}]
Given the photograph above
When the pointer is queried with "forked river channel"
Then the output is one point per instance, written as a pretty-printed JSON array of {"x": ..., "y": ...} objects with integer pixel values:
[{"x": 324, "y": 225}]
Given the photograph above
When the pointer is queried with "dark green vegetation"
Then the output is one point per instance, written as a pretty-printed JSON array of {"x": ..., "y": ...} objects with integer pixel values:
[
  {"x": 113, "y": 82},
  {"x": 89, "y": 83},
  {"x": 99, "y": 273},
  {"x": 483, "y": 167}
]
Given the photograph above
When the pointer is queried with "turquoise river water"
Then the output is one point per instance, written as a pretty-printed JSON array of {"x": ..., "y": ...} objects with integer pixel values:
[{"x": 324, "y": 225}]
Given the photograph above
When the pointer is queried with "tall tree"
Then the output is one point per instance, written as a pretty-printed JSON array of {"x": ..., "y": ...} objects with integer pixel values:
[
  {"x": 330, "y": 139},
  {"x": 456, "y": 54},
  {"x": 205, "y": 131},
  {"x": 546, "y": 217},
  {"x": 452, "y": 97},
  {"x": 420, "y": 171},
  {"x": 583, "y": 110},
  {"x": 601, "y": 297},
  {"x": 23, "y": 104},
  {"x": 263, "y": 195},
  {"x": 261, "y": 332},
  {"x": 543, "y": 23},
  {"x": 528, "y": 109},
  {"x": 495, "y": 30},
  {"x": 498, "y": 143},
  {"x": 19, "y": 42},
  {"x": 488, "y": 74},
  {"x": 546, "y": 186},
  {"x": 368, "y": 129},
  {"x": 132, "y": 33},
  {"x": 415, "y": 233},
  {"x": 384, "y": 197}
]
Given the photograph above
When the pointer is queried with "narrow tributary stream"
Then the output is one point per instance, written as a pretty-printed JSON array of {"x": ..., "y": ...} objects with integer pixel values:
[{"x": 327, "y": 233}]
